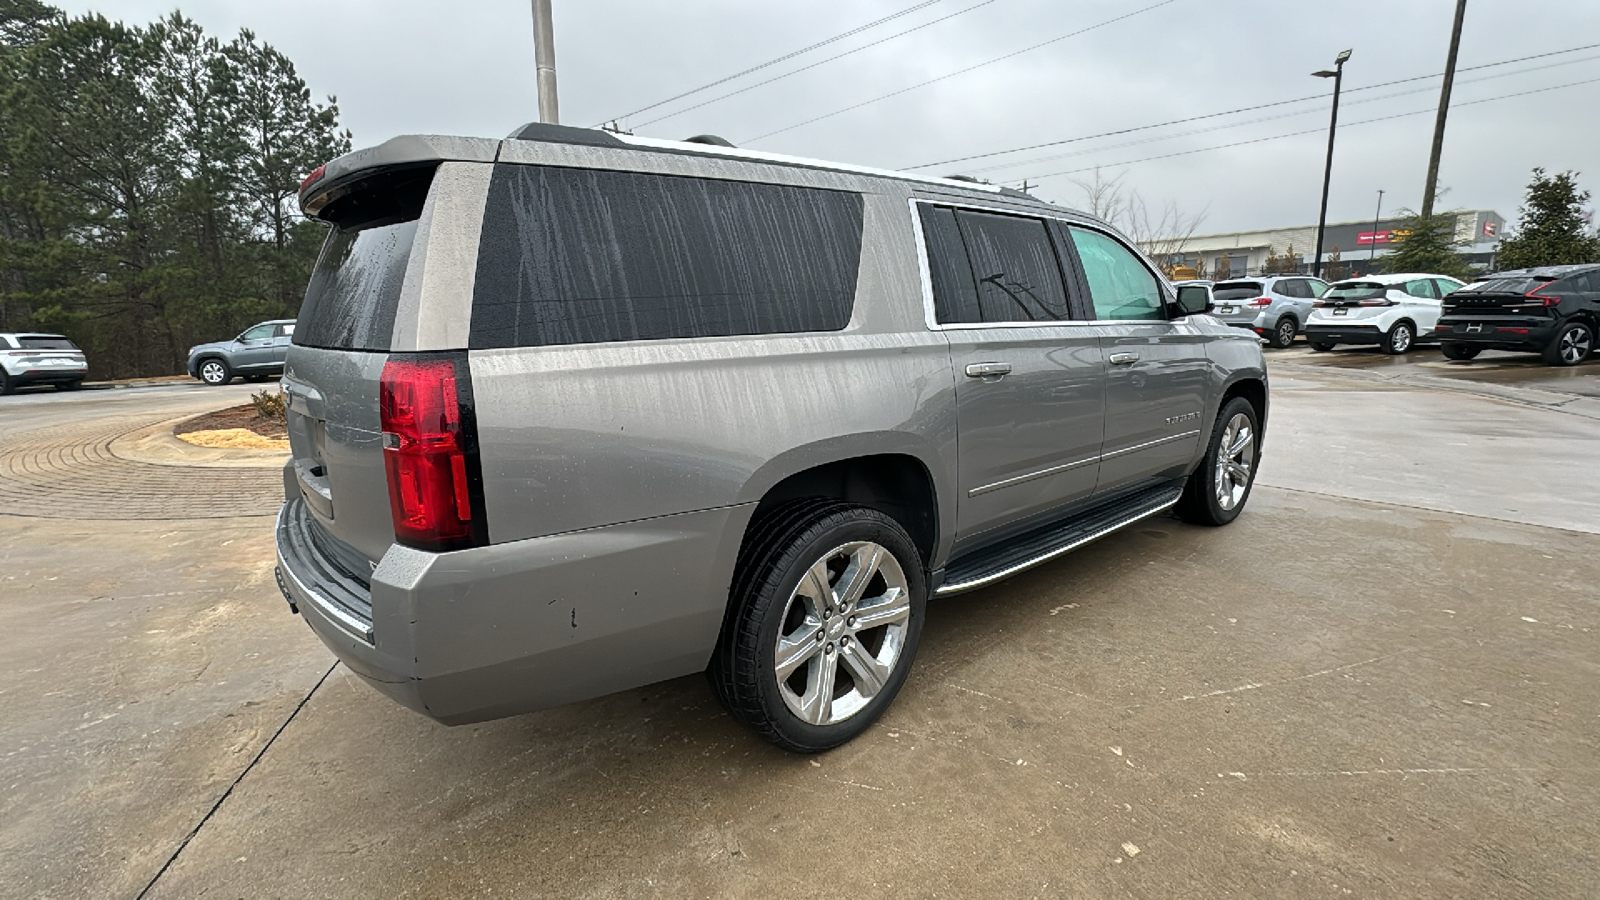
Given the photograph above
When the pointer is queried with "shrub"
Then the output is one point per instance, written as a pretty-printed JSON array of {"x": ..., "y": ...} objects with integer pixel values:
[{"x": 269, "y": 405}]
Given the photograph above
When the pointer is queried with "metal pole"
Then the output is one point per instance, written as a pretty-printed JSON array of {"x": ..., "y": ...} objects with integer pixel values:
[
  {"x": 1444, "y": 109},
  {"x": 1375, "y": 217},
  {"x": 1327, "y": 172},
  {"x": 544, "y": 60}
]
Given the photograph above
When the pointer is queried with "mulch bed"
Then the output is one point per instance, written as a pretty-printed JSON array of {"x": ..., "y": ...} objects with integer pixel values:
[{"x": 234, "y": 417}]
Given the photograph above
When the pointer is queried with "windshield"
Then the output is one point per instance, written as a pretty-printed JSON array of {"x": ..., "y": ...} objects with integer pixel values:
[
  {"x": 1356, "y": 290},
  {"x": 1236, "y": 290},
  {"x": 46, "y": 343}
]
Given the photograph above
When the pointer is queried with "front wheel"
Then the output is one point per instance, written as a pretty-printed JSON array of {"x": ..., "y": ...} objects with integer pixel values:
[
  {"x": 215, "y": 372},
  {"x": 1216, "y": 491},
  {"x": 826, "y": 611},
  {"x": 1283, "y": 333},
  {"x": 1571, "y": 346},
  {"x": 1459, "y": 351},
  {"x": 1399, "y": 339}
]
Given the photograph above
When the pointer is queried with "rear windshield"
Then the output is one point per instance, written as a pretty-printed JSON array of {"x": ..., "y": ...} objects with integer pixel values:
[
  {"x": 1520, "y": 284},
  {"x": 576, "y": 256},
  {"x": 46, "y": 343},
  {"x": 1236, "y": 290},
  {"x": 355, "y": 288},
  {"x": 1356, "y": 290}
]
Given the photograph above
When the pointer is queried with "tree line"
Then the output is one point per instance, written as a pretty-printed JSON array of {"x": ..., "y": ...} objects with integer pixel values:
[{"x": 148, "y": 177}]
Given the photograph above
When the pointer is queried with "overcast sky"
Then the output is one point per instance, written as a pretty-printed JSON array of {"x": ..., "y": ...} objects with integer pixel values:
[{"x": 466, "y": 67}]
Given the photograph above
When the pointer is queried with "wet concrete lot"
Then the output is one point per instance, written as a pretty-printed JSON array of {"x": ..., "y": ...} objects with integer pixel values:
[{"x": 1382, "y": 681}]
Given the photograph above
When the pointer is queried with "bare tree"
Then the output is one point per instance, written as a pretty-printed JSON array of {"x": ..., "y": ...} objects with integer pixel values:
[{"x": 1161, "y": 233}]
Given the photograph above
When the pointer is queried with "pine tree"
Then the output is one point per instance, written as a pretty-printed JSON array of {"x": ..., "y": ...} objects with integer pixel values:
[
  {"x": 1552, "y": 230},
  {"x": 1427, "y": 245}
]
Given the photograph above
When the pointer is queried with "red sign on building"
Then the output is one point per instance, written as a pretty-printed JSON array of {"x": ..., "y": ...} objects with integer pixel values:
[{"x": 1374, "y": 237}]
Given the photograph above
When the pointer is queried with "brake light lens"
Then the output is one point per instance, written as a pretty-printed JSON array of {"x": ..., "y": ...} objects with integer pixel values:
[
  {"x": 1539, "y": 299},
  {"x": 1261, "y": 301},
  {"x": 429, "y": 454},
  {"x": 316, "y": 173},
  {"x": 1384, "y": 302}
]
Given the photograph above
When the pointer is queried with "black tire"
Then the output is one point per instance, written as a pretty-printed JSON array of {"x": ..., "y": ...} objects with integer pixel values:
[
  {"x": 1573, "y": 343},
  {"x": 7, "y": 388},
  {"x": 778, "y": 552},
  {"x": 1323, "y": 346},
  {"x": 69, "y": 385},
  {"x": 1402, "y": 337},
  {"x": 1283, "y": 332},
  {"x": 214, "y": 371},
  {"x": 1201, "y": 503},
  {"x": 1459, "y": 351}
]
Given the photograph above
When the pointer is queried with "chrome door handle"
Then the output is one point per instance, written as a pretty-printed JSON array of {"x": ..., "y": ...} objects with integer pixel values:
[
  {"x": 1123, "y": 358},
  {"x": 988, "y": 369}
]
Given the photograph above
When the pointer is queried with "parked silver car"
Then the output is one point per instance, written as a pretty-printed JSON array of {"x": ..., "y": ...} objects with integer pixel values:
[
  {"x": 31, "y": 358},
  {"x": 1275, "y": 307},
  {"x": 258, "y": 352},
  {"x": 575, "y": 412}
]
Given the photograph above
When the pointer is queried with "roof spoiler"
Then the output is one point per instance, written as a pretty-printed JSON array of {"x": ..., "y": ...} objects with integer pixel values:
[{"x": 411, "y": 151}]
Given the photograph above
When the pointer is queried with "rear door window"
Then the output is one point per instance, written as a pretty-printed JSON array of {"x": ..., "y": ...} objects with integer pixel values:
[
  {"x": 1015, "y": 268},
  {"x": 1291, "y": 287},
  {"x": 577, "y": 256},
  {"x": 1120, "y": 285}
]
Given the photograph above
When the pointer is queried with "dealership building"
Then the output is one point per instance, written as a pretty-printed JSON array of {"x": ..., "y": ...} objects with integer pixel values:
[{"x": 1358, "y": 247}]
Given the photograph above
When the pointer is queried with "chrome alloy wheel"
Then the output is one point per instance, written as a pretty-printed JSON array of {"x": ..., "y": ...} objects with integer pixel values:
[
  {"x": 1286, "y": 332},
  {"x": 1401, "y": 339},
  {"x": 1236, "y": 456},
  {"x": 1574, "y": 345},
  {"x": 212, "y": 372},
  {"x": 842, "y": 633}
]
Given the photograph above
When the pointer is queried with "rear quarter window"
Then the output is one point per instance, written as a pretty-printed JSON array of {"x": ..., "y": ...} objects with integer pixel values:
[
  {"x": 576, "y": 256},
  {"x": 354, "y": 292}
]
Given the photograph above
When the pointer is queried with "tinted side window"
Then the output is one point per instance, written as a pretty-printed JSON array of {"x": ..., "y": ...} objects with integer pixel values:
[
  {"x": 355, "y": 288},
  {"x": 1422, "y": 287},
  {"x": 1015, "y": 267},
  {"x": 955, "y": 296},
  {"x": 576, "y": 256},
  {"x": 1288, "y": 287},
  {"x": 1121, "y": 286}
]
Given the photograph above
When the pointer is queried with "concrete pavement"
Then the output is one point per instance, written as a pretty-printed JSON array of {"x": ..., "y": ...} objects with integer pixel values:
[{"x": 1360, "y": 688}]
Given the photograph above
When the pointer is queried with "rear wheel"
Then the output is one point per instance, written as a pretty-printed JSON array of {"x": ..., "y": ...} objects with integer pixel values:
[
  {"x": 1323, "y": 346},
  {"x": 1217, "y": 491},
  {"x": 215, "y": 372},
  {"x": 1459, "y": 351},
  {"x": 826, "y": 612},
  {"x": 1572, "y": 345},
  {"x": 1400, "y": 338},
  {"x": 1283, "y": 333}
]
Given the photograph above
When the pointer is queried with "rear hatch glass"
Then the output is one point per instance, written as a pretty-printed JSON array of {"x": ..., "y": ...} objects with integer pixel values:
[
  {"x": 1351, "y": 292},
  {"x": 1498, "y": 293},
  {"x": 1236, "y": 290},
  {"x": 46, "y": 343},
  {"x": 355, "y": 288}
]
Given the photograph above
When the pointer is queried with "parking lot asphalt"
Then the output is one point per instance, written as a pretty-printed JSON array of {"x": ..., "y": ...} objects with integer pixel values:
[{"x": 1380, "y": 681}]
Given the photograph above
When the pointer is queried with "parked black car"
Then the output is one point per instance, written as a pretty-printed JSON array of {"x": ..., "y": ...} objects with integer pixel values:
[{"x": 1551, "y": 310}]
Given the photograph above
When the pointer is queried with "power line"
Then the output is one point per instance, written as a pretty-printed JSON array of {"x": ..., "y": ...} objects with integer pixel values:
[
  {"x": 960, "y": 71},
  {"x": 822, "y": 62},
  {"x": 1184, "y": 121},
  {"x": 1318, "y": 130},
  {"x": 788, "y": 56},
  {"x": 1289, "y": 115}
]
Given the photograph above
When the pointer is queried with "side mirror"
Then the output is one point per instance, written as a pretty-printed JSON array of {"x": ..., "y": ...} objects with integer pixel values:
[{"x": 1193, "y": 300}]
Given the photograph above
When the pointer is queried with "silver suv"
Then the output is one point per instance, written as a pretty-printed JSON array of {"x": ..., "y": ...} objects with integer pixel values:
[
  {"x": 258, "y": 352},
  {"x": 1275, "y": 307},
  {"x": 575, "y": 412}
]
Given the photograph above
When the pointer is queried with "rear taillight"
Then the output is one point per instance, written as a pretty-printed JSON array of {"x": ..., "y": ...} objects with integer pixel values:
[
  {"x": 1536, "y": 297},
  {"x": 315, "y": 174},
  {"x": 1261, "y": 301},
  {"x": 430, "y": 453},
  {"x": 1320, "y": 304},
  {"x": 1513, "y": 330},
  {"x": 1384, "y": 302}
]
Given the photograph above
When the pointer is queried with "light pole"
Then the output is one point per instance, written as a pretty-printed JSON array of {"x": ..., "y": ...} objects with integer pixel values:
[
  {"x": 1375, "y": 217},
  {"x": 1327, "y": 173},
  {"x": 544, "y": 62},
  {"x": 1444, "y": 110}
]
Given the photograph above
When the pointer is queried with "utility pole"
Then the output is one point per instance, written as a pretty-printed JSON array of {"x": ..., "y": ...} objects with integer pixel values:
[
  {"x": 1444, "y": 110},
  {"x": 1375, "y": 217},
  {"x": 1327, "y": 173},
  {"x": 544, "y": 60}
]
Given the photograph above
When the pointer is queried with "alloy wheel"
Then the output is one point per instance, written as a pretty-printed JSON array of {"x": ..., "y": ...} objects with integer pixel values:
[
  {"x": 212, "y": 372},
  {"x": 843, "y": 632},
  {"x": 1402, "y": 339},
  {"x": 1574, "y": 345},
  {"x": 1236, "y": 454},
  {"x": 1286, "y": 330}
]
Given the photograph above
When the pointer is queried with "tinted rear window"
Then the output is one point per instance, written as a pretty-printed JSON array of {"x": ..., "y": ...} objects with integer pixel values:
[
  {"x": 575, "y": 256},
  {"x": 1236, "y": 290},
  {"x": 46, "y": 343},
  {"x": 355, "y": 288},
  {"x": 1356, "y": 290}
]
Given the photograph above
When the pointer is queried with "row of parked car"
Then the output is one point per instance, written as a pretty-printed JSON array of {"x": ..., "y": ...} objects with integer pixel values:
[{"x": 1552, "y": 310}]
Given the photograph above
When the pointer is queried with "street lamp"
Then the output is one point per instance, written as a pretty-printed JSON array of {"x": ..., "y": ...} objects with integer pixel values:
[
  {"x": 1372, "y": 257},
  {"x": 1327, "y": 173}
]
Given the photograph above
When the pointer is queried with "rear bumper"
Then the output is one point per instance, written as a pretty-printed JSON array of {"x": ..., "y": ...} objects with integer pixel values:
[
  {"x": 1343, "y": 334},
  {"x": 510, "y": 628},
  {"x": 51, "y": 375},
  {"x": 1502, "y": 333}
]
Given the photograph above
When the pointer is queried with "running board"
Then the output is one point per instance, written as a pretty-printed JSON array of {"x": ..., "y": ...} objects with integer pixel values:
[{"x": 1044, "y": 544}]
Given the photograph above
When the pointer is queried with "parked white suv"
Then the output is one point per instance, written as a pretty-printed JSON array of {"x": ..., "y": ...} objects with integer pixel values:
[
  {"x": 1392, "y": 311},
  {"x": 40, "y": 359}
]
